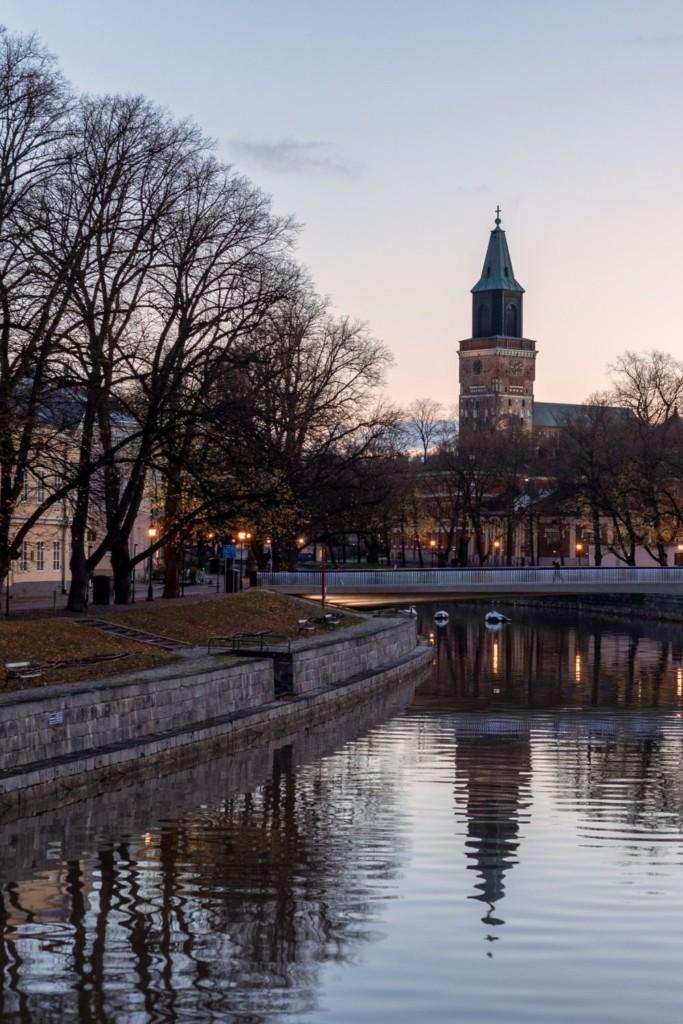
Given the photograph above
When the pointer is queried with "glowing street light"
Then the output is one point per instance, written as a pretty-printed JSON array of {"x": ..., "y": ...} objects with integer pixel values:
[
  {"x": 152, "y": 534},
  {"x": 242, "y": 536}
]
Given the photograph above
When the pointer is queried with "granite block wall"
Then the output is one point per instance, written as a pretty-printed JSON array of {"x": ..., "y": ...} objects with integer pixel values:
[
  {"x": 39, "y": 725},
  {"x": 59, "y": 741},
  {"x": 331, "y": 660}
]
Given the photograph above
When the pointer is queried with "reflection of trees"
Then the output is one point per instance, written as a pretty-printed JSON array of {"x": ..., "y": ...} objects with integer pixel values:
[
  {"x": 492, "y": 795},
  {"x": 225, "y": 914},
  {"x": 625, "y": 772},
  {"x": 543, "y": 660}
]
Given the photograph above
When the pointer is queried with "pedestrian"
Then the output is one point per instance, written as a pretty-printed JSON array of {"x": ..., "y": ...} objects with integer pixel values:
[{"x": 557, "y": 575}]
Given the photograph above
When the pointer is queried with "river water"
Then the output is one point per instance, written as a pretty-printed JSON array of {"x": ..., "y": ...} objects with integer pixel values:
[{"x": 504, "y": 845}]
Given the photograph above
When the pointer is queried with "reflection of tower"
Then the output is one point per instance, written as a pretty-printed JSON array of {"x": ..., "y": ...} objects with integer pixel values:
[{"x": 493, "y": 768}]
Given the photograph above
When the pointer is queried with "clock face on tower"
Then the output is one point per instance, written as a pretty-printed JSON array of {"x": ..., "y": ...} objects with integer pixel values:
[{"x": 516, "y": 366}]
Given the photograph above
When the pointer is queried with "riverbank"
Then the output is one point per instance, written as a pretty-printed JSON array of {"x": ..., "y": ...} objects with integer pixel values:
[
  {"x": 58, "y": 741},
  {"x": 107, "y": 641},
  {"x": 652, "y": 607}
]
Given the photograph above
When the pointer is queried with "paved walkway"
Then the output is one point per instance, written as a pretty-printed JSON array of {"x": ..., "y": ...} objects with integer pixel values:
[{"x": 57, "y": 601}]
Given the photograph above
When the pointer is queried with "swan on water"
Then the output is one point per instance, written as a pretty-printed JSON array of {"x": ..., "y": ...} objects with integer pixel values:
[{"x": 494, "y": 617}]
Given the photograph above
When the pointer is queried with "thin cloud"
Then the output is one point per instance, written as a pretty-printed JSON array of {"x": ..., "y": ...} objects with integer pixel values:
[
  {"x": 468, "y": 190},
  {"x": 292, "y": 156},
  {"x": 664, "y": 39}
]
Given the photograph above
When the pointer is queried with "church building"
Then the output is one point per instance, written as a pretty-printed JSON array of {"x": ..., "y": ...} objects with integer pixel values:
[{"x": 498, "y": 363}]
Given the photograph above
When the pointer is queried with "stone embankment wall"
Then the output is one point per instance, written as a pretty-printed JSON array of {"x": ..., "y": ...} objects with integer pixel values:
[
  {"x": 101, "y": 815},
  {"x": 326, "y": 660},
  {"x": 60, "y": 721},
  {"x": 654, "y": 607},
  {"x": 57, "y": 741}
]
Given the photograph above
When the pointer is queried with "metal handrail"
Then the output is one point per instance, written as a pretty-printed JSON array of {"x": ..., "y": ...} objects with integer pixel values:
[{"x": 512, "y": 575}]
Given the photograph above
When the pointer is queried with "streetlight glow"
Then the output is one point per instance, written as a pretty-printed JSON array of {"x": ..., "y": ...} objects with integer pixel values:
[{"x": 151, "y": 533}]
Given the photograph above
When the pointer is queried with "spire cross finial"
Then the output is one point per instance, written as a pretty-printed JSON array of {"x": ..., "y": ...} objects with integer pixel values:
[{"x": 497, "y": 216}]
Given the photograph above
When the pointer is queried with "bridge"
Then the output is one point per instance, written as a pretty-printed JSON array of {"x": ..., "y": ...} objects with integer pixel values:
[{"x": 425, "y": 583}]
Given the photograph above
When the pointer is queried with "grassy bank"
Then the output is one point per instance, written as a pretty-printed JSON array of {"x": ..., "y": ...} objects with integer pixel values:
[
  {"x": 197, "y": 619},
  {"x": 44, "y": 643}
]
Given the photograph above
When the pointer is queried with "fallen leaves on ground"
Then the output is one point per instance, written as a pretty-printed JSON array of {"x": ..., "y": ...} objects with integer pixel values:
[
  {"x": 42, "y": 642},
  {"x": 197, "y": 619}
]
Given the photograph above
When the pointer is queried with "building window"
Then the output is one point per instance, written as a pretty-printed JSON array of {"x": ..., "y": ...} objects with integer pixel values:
[
  {"x": 24, "y": 489},
  {"x": 511, "y": 320},
  {"x": 483, "y": 321},
  {"x": 23, "y": 561},
  {"x": 40, "y": 486},
  {"x": 40, "y": 556},
  {"x": 476, "y": 366},
  {"x": 56, "y": 554}
]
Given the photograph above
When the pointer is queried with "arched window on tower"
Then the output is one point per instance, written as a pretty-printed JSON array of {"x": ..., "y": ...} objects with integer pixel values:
[
  {"x": 483, "y": 328},
  {"x": 511, "y": 320}
]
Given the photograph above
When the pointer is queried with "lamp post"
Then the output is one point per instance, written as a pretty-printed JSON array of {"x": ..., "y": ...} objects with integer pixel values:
[
  {"x": 151, "y": 533},
  {"x": 323, "y": 576},
  {"x": 242, "y": 536},
  {"x": 432, "y": 548},
  {"x": 496, "y": 550},
  {"x": 579, "y": 550}
]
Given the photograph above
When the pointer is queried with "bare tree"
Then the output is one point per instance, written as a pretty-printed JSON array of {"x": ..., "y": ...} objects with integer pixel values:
[
  {"x": 34, "y": 104},
  {"x": 314, "y": 408},
  {"x": 650, "y": 384},
  {"x": 424, "y": 420}
]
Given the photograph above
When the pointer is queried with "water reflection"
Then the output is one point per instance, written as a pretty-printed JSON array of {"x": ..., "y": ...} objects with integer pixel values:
[
  {"x": 224, "y": 914},
  {"x": 543, "y": 660},
  {"x": 390, "y": 865},
  {"x": 493, "y": 767}
]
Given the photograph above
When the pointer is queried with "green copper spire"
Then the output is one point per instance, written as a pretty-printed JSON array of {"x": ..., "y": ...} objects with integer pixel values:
[{"x": 497, "y": 273}]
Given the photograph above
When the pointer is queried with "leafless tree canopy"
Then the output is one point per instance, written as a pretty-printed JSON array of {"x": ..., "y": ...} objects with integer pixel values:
[{"x": 155, "y": 337}]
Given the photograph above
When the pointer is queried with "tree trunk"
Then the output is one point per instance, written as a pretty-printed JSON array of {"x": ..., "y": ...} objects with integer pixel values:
[
  {"x": 171, "y": 571},
  {"x": 80, "y": 576},
  {"x": 121, "y": 567},
  {"x": 80, "y": 569},
  {"x": 171, "y": 553},
  {"x": 597, "y": 540}
]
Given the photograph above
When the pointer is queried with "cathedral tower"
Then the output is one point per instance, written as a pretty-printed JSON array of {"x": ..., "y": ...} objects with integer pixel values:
[{"x": 497, "y": 364}]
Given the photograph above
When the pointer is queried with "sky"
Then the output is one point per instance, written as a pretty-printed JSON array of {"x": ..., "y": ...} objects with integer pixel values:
[{"x": 390, "y": 130}]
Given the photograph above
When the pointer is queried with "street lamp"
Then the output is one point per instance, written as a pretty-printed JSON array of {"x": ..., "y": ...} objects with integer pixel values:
[
  {"x": 242, "y": 536},
  {"x": 432, "y": 545},
  {"x": 496, "y": 549},
  {"x": 579, "y": 550},
  {"x": 151, "y": 533}
]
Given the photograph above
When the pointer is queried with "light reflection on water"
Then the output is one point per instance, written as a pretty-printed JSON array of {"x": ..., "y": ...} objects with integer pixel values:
[
  {"x": 410, "y": 861},
  {"x": 545, "y": 659}
]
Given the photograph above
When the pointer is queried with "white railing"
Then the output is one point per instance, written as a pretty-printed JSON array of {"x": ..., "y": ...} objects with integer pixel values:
[{"x": 430, "y": 579}]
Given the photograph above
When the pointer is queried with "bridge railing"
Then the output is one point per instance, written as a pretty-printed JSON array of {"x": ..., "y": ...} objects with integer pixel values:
[{"x": 442, "y": 578}]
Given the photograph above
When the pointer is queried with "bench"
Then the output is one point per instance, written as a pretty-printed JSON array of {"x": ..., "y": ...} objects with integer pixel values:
[{"x": 22, "y": 670}]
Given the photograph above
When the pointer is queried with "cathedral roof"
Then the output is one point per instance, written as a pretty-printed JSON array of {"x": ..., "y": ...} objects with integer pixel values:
[
  {"x": 561, "y": 414},
  {"x": 497, "y": 273}
]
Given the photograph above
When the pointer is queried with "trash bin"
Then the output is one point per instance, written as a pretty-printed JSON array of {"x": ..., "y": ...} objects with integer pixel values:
[{"x": 101, "y": 589}]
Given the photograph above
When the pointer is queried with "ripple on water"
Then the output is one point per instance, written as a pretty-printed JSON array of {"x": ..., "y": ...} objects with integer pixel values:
[{"x": 514, "y": 865}]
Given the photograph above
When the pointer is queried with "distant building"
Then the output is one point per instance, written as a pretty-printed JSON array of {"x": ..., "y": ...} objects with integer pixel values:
[{"x": 497, "y": 363}]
